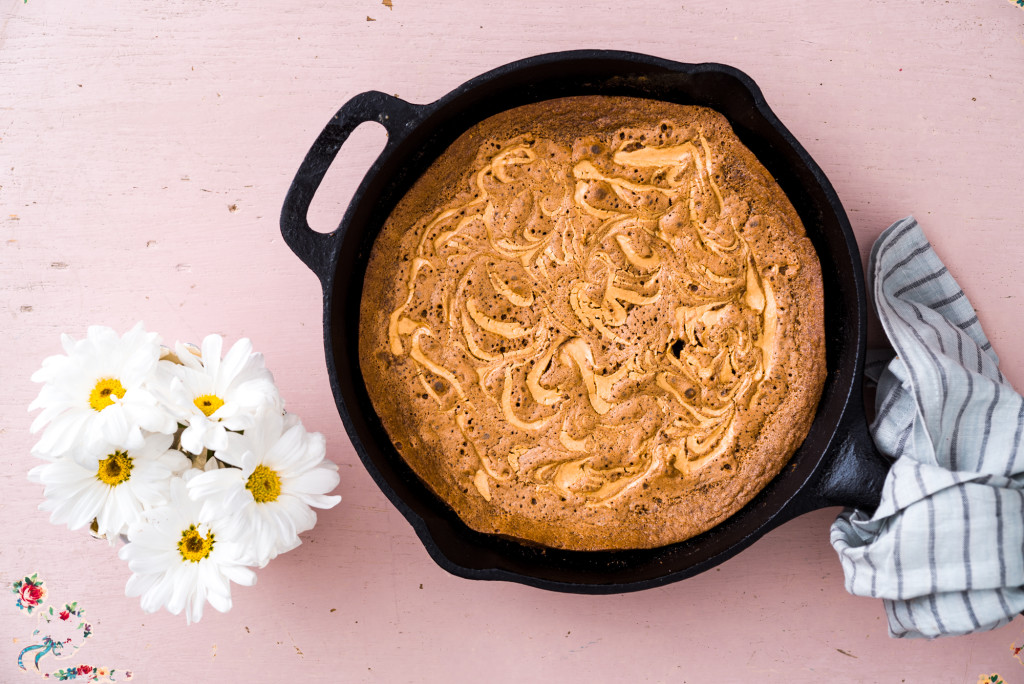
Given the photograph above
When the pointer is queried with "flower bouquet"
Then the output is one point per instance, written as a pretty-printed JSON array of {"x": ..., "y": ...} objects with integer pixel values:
[{"x": 186, "y": 455}]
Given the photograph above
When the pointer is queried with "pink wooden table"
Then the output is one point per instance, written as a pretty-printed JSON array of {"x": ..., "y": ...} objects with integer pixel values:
[{"x": 145, "y": 149}]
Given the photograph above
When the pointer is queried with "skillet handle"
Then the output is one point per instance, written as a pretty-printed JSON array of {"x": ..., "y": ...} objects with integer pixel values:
[
  {"x": 856, "y": 473},
  {"x": 316, "y": 249}
]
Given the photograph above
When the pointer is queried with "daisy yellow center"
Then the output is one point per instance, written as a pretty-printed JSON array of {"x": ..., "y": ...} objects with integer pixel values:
[
  {"x": 193, "y": 546},
  {"x": 103, "y": 393},
  {"x": 208, "y": 403},
  {"x": 115, "y": 469},
  {"x": 265, "y": 484}
]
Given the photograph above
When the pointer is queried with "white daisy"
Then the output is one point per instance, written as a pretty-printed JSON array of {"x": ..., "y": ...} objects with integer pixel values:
[
  {"x": 212, "y": 396},
  {"x": 96, "y": 392},
  {"x": 115, "y": 490},
  {"x": 181, "y": 558},
  {"x": 267, "y": 499}
]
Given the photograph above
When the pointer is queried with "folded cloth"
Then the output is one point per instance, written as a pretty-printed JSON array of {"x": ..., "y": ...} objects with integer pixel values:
[{"x": 945, "y": 548}]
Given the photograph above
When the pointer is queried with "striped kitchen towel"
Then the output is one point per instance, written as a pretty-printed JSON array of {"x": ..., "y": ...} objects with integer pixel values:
[{"x": 945, "y": 549}]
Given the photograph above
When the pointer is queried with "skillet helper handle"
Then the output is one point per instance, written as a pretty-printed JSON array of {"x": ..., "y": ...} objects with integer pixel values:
[
  {"x": 314, "y": 248},
  {"x": 855, "y": 476}
]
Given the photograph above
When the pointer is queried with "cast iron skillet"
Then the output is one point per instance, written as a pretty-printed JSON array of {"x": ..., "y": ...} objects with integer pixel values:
[{"x": 837, "y": 463}]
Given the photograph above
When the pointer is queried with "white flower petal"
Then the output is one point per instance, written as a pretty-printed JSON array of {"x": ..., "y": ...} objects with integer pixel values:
[
  {"x": 64, "y": 431},
  {"x": 184, "y": 577},
  {"x": 192, "y": 438},
  {"x": 235, "y": 360},
  {"x": 315, "y": 481},
  {"x": 239, "y": 574},
  {"x": 212, "y": 346},
  {"x": 159, "y": 595},
  {"x": 139, "y": 584},
  {"x": 319, "y": 500},
  {"x": 216, "y": 437},
  {"x": 220, "y": 602},
  {"x": 302, "y": 516},
  {"x": 144, "y": 564},
  {"x": 215, "y": 490},
  {"x": 114, "y": 425},
  {"x": 194, "y": 611},
  {"x": 187, "y": 358}
]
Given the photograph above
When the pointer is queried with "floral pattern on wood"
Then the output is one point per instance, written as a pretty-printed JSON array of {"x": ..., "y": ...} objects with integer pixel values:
[{"x": 59, "y": 633}]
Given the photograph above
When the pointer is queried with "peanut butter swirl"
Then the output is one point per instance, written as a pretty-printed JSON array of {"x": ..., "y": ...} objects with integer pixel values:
[{"x": 590, "y": 324}]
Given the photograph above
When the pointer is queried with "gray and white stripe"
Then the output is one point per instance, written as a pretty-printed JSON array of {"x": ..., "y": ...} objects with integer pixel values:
[{"x": 944, "y": 548}]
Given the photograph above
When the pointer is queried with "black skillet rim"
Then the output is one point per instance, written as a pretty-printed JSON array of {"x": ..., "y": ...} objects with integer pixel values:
[{"x": 474, "y": 555}]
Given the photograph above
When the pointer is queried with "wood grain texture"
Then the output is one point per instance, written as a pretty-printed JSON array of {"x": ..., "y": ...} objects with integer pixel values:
[{"x": 145, "y": 150}]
